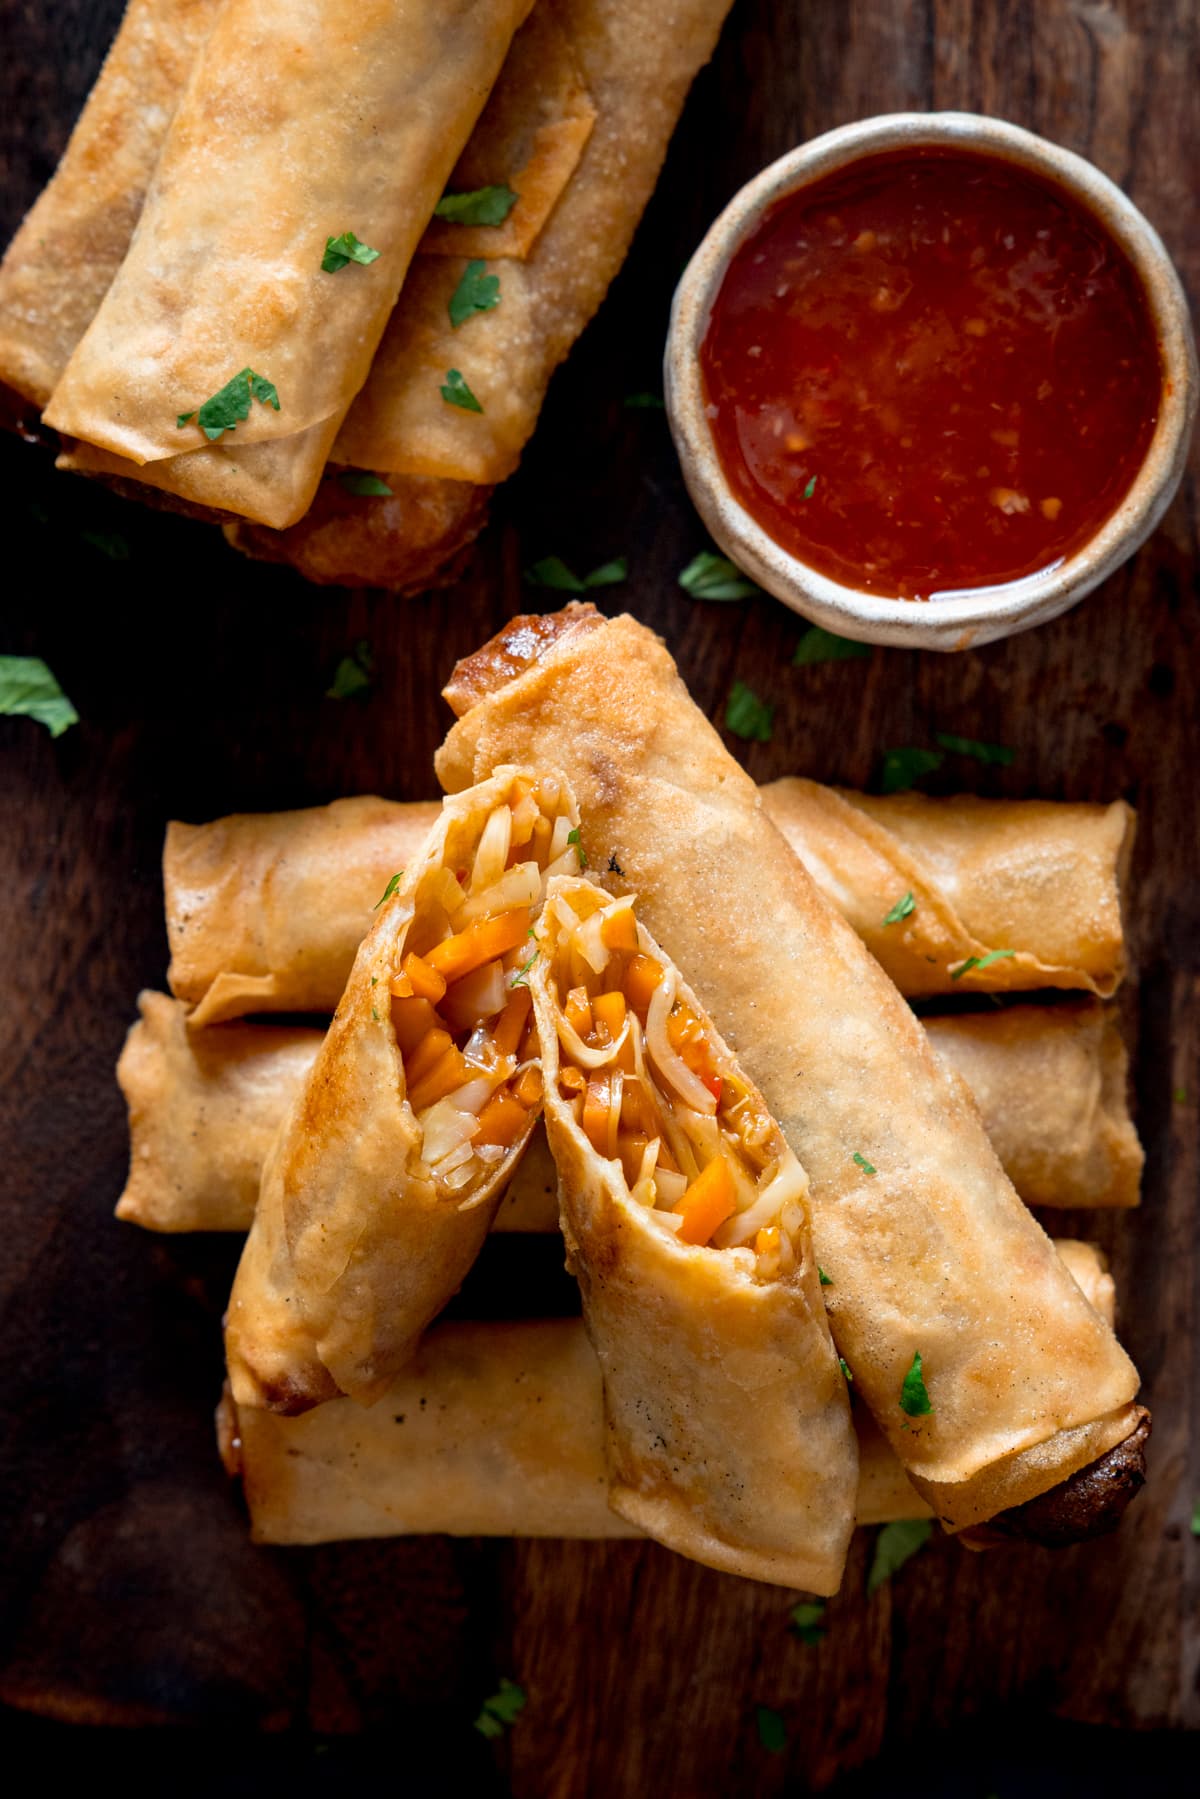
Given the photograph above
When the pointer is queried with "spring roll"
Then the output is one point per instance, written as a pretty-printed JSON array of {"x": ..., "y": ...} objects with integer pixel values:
[
  {"x": 391, "y": 1161},
  {"x": 266, "y": 910},
  {"x": 989, "y": 1375},
  {"x": 299, "y": 123},
  {"x": 686, "y": 1218},
  {"x": 508, "y": 1443}
]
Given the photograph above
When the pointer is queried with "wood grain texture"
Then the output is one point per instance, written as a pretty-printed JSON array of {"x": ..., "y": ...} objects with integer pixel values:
[{"x": 129, "y": 1591}]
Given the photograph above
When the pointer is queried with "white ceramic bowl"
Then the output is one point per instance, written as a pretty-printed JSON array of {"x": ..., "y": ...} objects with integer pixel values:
[{"x": 986, "y": 614}]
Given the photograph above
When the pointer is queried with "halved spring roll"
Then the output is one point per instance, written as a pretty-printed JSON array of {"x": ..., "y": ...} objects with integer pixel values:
[
  {"x": 265, "y": 910},
  {"x": 686, "y": 1219},
  {"x": 990, "y": 1376},
  {"x": 392, "y": 1159},
  {"x": 508, "y": 1443},
  {"x": 300, "y": 123}
]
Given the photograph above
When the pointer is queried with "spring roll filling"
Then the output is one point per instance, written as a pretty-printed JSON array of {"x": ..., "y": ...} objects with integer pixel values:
[
  {"x": 460, "y": 1008},
  {"x": 650, "y": 1090}
]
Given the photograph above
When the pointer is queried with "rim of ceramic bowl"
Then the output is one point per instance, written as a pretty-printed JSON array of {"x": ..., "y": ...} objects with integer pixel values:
[{"x": 983, "y": 614}]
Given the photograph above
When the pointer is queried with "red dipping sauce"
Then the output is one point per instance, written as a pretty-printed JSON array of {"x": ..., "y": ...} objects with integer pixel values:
[{"x": 931, "y": 371}]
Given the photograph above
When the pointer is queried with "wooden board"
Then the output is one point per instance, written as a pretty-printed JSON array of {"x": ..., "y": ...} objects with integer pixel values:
[{"x": 130, "y": 1592}]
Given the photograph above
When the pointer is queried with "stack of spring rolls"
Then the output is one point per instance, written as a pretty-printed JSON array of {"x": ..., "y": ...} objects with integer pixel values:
[
  {"x": 612, "y": 988},
  {"x": 179, "y": 256}
]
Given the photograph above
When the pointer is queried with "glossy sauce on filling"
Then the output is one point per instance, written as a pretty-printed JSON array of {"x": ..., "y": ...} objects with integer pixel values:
[{"x": 929, "y": 372}]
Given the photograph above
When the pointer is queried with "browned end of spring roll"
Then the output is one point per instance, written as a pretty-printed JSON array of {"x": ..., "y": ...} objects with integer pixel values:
[{"x": 1090, "y": 1503}]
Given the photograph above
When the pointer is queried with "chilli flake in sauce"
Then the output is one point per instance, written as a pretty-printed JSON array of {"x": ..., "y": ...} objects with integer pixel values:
[{"x": 929, "y": 372}]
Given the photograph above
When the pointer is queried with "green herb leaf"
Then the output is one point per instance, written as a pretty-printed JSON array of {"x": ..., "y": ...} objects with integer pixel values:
[
  {"x": 903, "y": 908},
  {"x": 455, "y": 392},
  {"x": 712, "y": 577},
  {"x": 482, "y": 206},
  {"x": 1196, "y": 1519},
  {"x": 231, "y": 404},
  {"x": 993, "y": 753},
  {"x": 389, "y": 889},
  {"x": 823, "y": 646},
  {"x": 352, "y": 677},
  {"x": 553, "y": 572},
  {"x": 644, "y": 403},
  {"x": 1180, "y": 1096},
  {"x": 109, "y": 543},
  {"x": 808, "y": 1620},
  {"x": 844, "y": 1365},
  {"x": 823, "y": 1277},
  {"x": 346, "y": 248},
  {"x": 903, "y": 768},
  {"x": 363, "y": 483},
  {"x": 609, "y": 574},
  {"x": 374, "y": 1016},
  {"x": 501, "y": 1709},
  {"x": 914, "y": 1400},
  {"x": 867, "y": 1167},
  {"x": 810, "y": 488},
  {"x": 520, "y": 979},
  {"x": 894, "y": 1545},
  {"x": 29, "y": 690},
  {"x": 573, "y": 838},
  {"x": 772, "y": 1732},
  {"x": 182, "y": 419},
  {"x": 747, "y": 716},
  {"x": 476, "y": 292},
  {"x": 993, "y": 955}
]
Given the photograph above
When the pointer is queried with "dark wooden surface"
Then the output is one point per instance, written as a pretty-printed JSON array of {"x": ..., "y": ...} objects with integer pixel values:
[{"x": 129, "y": 1591}]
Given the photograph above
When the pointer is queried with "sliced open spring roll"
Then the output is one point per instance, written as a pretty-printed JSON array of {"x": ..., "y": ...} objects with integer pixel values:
[
  {"x": 266, "y": 910},
  {"x": 299, "y": 123},
  {"x": 990, "y": 1376},
  {"x": 392, "y": 1159},
  {"x": 686, "y": 1218},
  {"x": 509, "y": 1442}
]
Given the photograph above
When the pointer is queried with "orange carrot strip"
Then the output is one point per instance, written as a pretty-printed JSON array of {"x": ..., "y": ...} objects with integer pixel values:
[
  {"x": 608, "y": 1009},
  {"x": 630, "y": 1147},
  {"x": 501, "y": 1121},
  {"x": 766, "y": 1241},
  {"x": 481, "y": 942},
  {"x": 595, "y": 1116},
  {"x": 447, "y": 1073},
  {"x": 506, "y": 1032},
  {"x": 527, "y": 1088},
  {"x": 573, "y": 1080},
  {"x": 641, "y": 978},
  {"x": 413, "y": 1019},
  {"x": 426, "y": 982},
  {"x": 619, "y": 930},
  {"x": 427, "y": 1053},
  {"x": 578, "y": 1012},
  {"x": 708, "y": 1202}
]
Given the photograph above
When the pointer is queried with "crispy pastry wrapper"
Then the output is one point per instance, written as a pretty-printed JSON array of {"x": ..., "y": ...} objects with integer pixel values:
[
  {"x": 929, "y": 1248},
  {"x": 1034, "y": 879},
  {"x": 58, "y": 267},
  {"x": 266, "y": 910},
  {"x": 727, "y": 1419},
  {"x": 509, "y": 1442},
  {"x": 298, "y": 122},
  {"x": 354, "y": 1249}
]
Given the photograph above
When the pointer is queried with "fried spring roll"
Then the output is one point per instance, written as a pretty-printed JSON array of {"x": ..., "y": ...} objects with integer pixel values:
[
  {"x": 1019, "y": 1384},
  {"x": 509, "y": 1443},
  {"x": 266, "y": 910},
  {"x": 300, "y": 122},
  {"x": 391, "y": 1161},
  {"x": 686, "y": 1218}
]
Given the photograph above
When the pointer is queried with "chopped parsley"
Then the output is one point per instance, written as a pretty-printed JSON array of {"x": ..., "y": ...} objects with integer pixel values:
[
  {"x": 573, "y": 838},
  {"x": 810, "y": 489},
  {"x": 374, "y": 1016},
  {"x": 346, "y": 248},
  {"x": 231, "y": 404},
  {"x": 455, "y": 392},
  {"x": 520, "y": 979},
  {"x": 476, "y": 292},
  {"x": 747, "y": 716},
  {"x": 553, "y": 572},
  {"x": 482, "y": 206},
  {"x": 501, "y": 1709},
  {"x": 29, "y": 690},
  {"x": 867, "y": 1167},
  {"x": 389, "y": 889},
  {"x": 1180, "y": 1096},
  {"x": 352, "y": 677},
  {"x": 823, "y": 646},
  {"x": 823, "y": 1277},
  {"x": 363, "y": 483},
  {"x": 644, "y": 403},
  {"x": 807, "y": 1620},
  {"x": 772, "y": 1731},
  {"x": 993, "y": 955},
  {"x": 1196, "y": 1519},
  {"x": 844, "y": 1365},
  {"x": 995, "y": 754},
  {"x": 903, "y": 768},
  {"x": 894, "y": 1546},
  {"x": 712, "y": 577},
  {"x": 903, "y": 908},
  {"x": 914, "y": 1399},
  {"x": 109, "y": 543}
]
